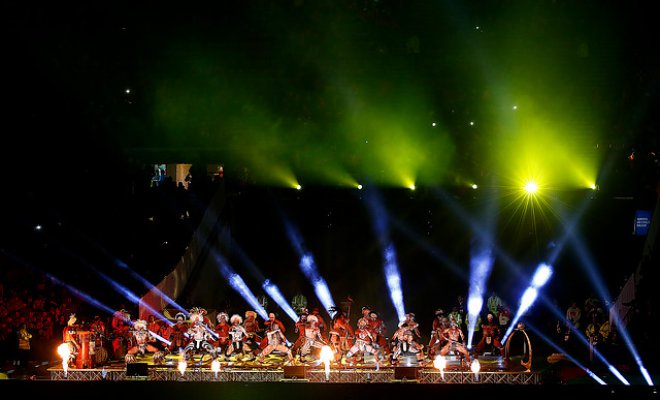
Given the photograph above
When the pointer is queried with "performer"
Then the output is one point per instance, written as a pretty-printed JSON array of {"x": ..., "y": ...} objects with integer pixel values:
[
  {"x": 456, "y": 315},
  {"x": 299, "y": 328},
  {"x": 412, "y": 325},
  {"x": 323, "y": 327},
  {"x": 144, "y": 342},
  {"x": 440, "y": 323},
  {"x": 252, "y": 328},
  {"x": 365, "y": 315},
  {"x": 70, "y": 337},
  {"x": 573, "y": 316},
  {"x": 408, "y": 324},
  {"x": 490, "y": 336},
  {"x": 222, "y": 330},
  {"x": 378, "y": 330},
  {"x": 504, "y": 317},
  {"x": 276, "y": 341},
  {"x": 99, "y": 332},
  {"x": 199, "y": 337},
  {"x": 313, "y": 338},
  {"x": 238, "y": 336},
  {"x": 120, "y": 332},
  {"x": 454, "y": 341},
  {"x": 363, "y": 342},
  {"x": 177, "y": 333},
  {"x": 494, "y": 303},
  {"x": 272, "y": 319},
  {"x": 341, "y": 333},
  {"x": 407, "y": 346}
]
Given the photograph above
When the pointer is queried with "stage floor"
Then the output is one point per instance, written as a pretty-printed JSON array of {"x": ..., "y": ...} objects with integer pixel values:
[{"x": 273, "y": 369}]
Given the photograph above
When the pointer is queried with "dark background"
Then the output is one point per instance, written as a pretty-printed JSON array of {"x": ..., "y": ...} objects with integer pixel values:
[{"x": 74, "y": 160}]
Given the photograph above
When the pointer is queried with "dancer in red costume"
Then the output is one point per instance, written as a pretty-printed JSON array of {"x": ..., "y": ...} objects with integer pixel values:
[
  {"x": 144, "y": 342},
  {"x": 222, "y": 332},
  {"x": 490, "y": 336},
  {"x": 251, "y": 325},
  {"x": 341, "y": 333},
  {"x": 276, "y": 341},
  {"x": 378, "y": 330},
  {"x": 454, "y": 341},
  {"x": 363, "y": 342}
]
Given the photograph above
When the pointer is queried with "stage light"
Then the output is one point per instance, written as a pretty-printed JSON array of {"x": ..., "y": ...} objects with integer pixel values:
[
  {"x": 474, "y": 186},
  {"x": 238, "y": 284},
  {"x": 298, "y": 187},
  {"x": 412, "y": 187},
  {"x": 540, "y": 278},
  {"x": 616, "y": 373},
  {"x": 531, "y": 187},
  {"x": 542, "y": 275},
  {"x": 274, "y": 292},
  {"x": 514, "y": 107},
  {"x": 475, "y": 302},
  {"x": 380, "y": 223},
  {"x": 393, "y": 278},
  {"x": 481, "y": 263},
  {"x": 308, "y": 267},
  {"x": 433, "y": 124},
  {"x": 359, "y": 187}
]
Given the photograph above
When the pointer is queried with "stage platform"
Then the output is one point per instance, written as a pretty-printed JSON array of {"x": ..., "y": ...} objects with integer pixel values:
[{"x": 492, "y": 371}]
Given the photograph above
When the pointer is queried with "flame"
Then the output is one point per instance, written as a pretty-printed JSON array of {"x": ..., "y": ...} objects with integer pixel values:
[
  {"x": 182, "y": 367},
  {"x": 215, "y": 367},
  {"x": 65, "y": 352},
  {"x": 326, "y": 356},
  {"x": 440, "y": 363},
  {"x": 475, "y": 367}
]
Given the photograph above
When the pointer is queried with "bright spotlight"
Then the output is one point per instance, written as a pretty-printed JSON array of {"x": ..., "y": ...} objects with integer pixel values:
[
  {"x": 393, "y": 278},
  {"x": 531, "y": 187},
  {"x": 298, "y": 187},
  {"x": 359, "y": 187},
  {"x": 593, "y": 186},
  {"x": 412, "y": 187},
  {"x": 541, "y": 276},
  {"x": 321, "y": 289},
  {"x": 475, "y": 186},
  {"x": 274, "y": 292},
  {"x": 475, "y": 302}
]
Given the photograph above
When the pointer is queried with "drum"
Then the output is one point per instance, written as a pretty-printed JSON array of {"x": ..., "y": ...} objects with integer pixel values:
[
  {"x": 119, "y": 348},
  {"x": 101, "y": 356},
  {"x": 83, "y": 359}
]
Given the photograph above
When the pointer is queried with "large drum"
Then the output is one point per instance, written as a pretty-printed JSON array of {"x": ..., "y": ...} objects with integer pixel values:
[
  {"x": 119, "y": 347},
  {"x": 83, "y": 359},
  {"x": 100, "y": 356}
]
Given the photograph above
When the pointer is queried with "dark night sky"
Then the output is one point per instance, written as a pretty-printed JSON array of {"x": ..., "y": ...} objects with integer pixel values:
[{"x": 70, "y": 129}]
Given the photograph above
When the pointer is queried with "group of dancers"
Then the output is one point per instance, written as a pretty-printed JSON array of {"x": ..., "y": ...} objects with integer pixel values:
[{"x": 235, "y": 338}]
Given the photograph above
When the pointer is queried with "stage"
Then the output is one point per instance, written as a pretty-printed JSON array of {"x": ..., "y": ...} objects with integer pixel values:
[
  {"x": 303, "y": 374},
  {"x": 274, "y": 369},
  {"x": 274, "y": 379}
]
